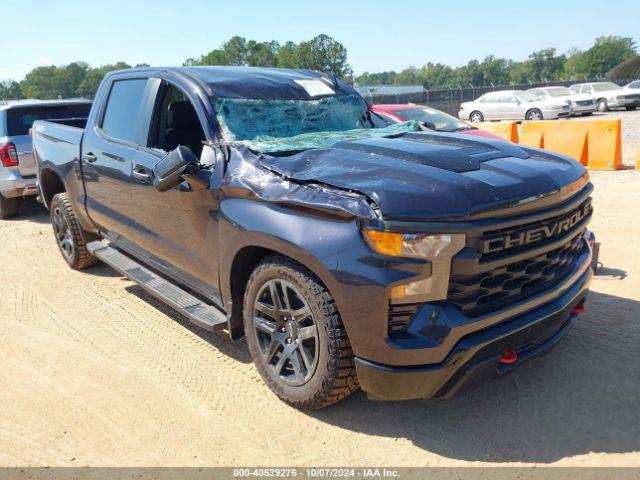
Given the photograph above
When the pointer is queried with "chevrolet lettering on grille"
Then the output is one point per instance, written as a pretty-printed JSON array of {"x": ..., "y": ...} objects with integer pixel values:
[{"x": 538, "y": 232}]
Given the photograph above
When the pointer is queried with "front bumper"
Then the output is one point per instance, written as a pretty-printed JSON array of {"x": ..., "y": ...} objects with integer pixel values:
[
  {"x": 12, "y": 184},
  {"x": 556, "y": 113},
  {"x": 577, "y": 109},
  {"x": 475, "y": 358}
]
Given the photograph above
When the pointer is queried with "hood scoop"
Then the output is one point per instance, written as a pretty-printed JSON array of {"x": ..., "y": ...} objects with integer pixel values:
[{"x": 439, "y": 151}]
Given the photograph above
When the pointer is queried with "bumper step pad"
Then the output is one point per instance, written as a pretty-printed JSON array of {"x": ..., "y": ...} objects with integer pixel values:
[{"x": 202, "y": 314}]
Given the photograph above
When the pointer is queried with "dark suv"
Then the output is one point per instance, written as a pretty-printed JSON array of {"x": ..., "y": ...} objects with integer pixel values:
[{"x": 263, "y": 202}]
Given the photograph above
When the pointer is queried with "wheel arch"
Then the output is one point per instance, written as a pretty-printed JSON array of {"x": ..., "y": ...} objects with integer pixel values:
[
  {"x": 50, "y": 184},
  {"x": 244, "y": 262}
]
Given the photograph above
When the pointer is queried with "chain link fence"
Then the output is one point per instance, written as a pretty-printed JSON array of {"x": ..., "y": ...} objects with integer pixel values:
[{"x": 449, "y": 99}]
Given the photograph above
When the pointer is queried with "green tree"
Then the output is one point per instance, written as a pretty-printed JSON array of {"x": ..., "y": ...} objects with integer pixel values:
[
  {"x": 324, "y": 54},
  {"x": 10, "y": 89},
  {"x": 262, "y": 54},
  {"x": 606, "y": 54},
  {"x": 89, "y": 85},
  {"x": 287, "y": 55}
]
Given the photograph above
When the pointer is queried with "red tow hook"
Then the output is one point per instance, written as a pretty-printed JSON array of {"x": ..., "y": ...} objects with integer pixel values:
[
  {"x": 509, "y": 357},
  {"x": 579, "y": 308}
]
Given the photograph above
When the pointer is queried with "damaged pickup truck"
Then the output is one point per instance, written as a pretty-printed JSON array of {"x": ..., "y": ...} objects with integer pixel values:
[{"x": 262, "y": 202}]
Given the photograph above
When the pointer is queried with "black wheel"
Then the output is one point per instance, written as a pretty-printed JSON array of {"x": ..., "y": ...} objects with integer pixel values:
[
  {"x": 476, "y": 117},
  {"x": 69, "y": 235},
  {"x": 8, "y": 207},
  {"x": 631, "y": 107},
  {"x": 586, "y": 114},
  {"x": 602, "y": 105},
  {"x": 295, "y": 335},
  {"x": 534, "y": 114}
]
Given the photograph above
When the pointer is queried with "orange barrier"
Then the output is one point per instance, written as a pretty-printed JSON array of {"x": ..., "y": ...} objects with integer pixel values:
[
  {"x": 506, "y": 130},
  {"x": 596, "y": 144}
]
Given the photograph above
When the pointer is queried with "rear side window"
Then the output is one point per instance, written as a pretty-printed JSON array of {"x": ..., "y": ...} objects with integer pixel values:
[
  {"x": 123, "y": 107},
  {"x": 20, "y": 120}
]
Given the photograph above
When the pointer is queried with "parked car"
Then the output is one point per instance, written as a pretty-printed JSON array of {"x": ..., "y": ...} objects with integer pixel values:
[
  {"x": 513, "y": 105},
  {"x": 430, "y": 117},
  {"x": 581, "y": 103},
  {"x": 18, "y": 169},
  {"x": 608, "y": 95},
  {"x": 634, "y": 85},
  {"x": 262, "y": 202}
]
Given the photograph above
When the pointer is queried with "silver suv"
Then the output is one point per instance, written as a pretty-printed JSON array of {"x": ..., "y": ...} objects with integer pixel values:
[{"x": 17, "y": 166}]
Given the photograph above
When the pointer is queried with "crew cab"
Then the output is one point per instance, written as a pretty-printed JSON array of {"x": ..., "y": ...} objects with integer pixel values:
[
  {"x": 263, "y": 203},
  {"x": 17, "y": 167}
]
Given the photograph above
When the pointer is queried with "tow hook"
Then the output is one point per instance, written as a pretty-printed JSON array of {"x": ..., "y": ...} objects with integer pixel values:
[{"x": 509, "y": 357}]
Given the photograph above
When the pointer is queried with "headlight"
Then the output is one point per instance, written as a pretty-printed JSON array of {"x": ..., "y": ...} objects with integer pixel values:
[
  {"x": 612, "y": 97},
  {"x": 438, "y": 249},
  {"x": 411, "y": 245}
]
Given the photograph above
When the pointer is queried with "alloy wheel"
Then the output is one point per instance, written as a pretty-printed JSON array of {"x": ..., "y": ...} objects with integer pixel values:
[
  {"x": 63, "y": 234},
  {"x": 286, "y": 331}
]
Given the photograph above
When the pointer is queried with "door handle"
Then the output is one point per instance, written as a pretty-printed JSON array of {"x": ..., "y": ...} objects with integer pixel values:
[
  {"x": 141, "y": 174},
  {"x": 89, "y": 157}
]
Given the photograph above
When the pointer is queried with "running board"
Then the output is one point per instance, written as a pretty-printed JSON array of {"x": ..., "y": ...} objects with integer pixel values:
[{"x": 202, "y": 314}]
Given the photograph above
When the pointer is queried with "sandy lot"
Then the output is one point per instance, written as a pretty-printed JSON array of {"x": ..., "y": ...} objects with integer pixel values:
[{"x": 94, "y": 371}]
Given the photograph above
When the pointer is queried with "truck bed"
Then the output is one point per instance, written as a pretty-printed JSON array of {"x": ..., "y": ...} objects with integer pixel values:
[{"x": 58, "y": 141}]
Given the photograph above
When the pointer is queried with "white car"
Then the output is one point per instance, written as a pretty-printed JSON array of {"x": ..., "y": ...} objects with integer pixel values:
[
  {"x": 609, "y": 95},
  {"x": 634, "y": 86},
  {"x": 581, "y": 103},
  {"x": 513, "y": 105}
]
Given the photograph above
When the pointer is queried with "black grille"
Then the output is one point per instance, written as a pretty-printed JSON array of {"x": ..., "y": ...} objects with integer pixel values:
[
  {"x": 487, "y": 292},
  {"x": 400, "y": 316},
  {"x": 497, "y": 237}
]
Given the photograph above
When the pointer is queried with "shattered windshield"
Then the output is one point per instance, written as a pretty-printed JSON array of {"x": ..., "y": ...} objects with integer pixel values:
[{"x": 273, "y": 126}]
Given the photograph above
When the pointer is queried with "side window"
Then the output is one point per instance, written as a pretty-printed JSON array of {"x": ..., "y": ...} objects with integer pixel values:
[
  {"x": 539, "y": 94},
  {"x": 489, "y": 99},
  {"x": 175, "y": 122},
  {"x": 575, "y": 88},
  {"x": 507, "y": 99},
  {"x": 123, "y": 106},
  {"x": 586, "y": 89}
]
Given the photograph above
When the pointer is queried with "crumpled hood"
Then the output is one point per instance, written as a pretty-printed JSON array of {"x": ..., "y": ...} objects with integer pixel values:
[{"x": 420, "y": 176}]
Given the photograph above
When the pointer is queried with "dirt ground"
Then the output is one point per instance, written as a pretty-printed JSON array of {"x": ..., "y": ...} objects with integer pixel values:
[{"x": 93, "y": 371}]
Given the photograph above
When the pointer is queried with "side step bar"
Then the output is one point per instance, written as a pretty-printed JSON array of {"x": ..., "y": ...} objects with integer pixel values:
[{"x": 204, "y": 315}]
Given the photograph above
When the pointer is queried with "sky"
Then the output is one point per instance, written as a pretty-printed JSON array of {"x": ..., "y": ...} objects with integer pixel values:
[{"x": 378, "y": 35}]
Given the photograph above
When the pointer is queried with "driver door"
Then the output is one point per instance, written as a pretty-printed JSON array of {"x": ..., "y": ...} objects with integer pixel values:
[{"x": 177, "y": 229}]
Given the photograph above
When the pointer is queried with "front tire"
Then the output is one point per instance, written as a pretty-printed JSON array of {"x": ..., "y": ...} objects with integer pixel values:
[
  {"x": 69, "y": 234},
  {"x": 8, "y": 207},
  {"x": 603, "y": 106},
  {"x": 534, "y": 115},
  {"x": 476, "y": 117},
  {"x": 295, "y": 335}
]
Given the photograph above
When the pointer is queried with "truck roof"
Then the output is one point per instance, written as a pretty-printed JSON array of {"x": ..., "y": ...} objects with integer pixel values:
[{"x": 257, "y": 82}]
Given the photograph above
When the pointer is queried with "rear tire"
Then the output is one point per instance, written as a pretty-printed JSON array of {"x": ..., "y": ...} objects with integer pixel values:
[
  {"x": 631, "y": 108},
  {"x": 8, "y": 207},
  {"x": 533, "y": 115},
  {"x": 71, "y": 238},
  {"x": 603, "y": 106},
  {"x": 476, "y": 117},
  {"x": 295, "y": 335}
]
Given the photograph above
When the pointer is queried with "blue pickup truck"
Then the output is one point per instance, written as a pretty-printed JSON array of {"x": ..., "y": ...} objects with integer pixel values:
[{"x": 264, "y": 203}]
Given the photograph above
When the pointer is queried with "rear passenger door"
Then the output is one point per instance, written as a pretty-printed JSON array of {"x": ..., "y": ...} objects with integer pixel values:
[{"x": 109, "y": 151}]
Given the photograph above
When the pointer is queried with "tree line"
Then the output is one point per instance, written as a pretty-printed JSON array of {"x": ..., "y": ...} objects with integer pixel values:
[
  {"x": 323, "y": 53},
  {"x": 78, "y": 79},
  {"x": 541, "y": 66}
]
